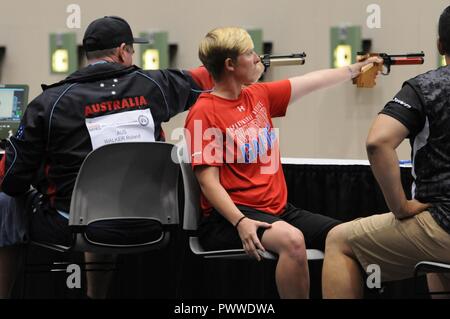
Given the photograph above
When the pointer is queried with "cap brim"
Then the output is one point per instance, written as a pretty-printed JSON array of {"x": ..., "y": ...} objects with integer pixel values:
[{"x": 140, "y": 40}]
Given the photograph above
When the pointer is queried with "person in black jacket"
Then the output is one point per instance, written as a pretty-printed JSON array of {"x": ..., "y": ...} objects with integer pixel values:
[{"x": 66, "y": 122}]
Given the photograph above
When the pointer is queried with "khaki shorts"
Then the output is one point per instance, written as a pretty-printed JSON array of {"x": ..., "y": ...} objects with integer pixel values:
[{"x": 398, "y": 245}]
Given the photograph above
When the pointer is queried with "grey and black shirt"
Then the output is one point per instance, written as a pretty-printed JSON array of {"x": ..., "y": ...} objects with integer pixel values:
[{"x": 423, "y": 106}]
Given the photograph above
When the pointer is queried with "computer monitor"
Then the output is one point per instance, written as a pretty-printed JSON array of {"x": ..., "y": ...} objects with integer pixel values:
[{"x": 13, "y": 101}]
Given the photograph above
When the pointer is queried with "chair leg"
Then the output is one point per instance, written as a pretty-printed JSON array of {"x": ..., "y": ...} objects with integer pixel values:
[
  {"x": 416, "y": 274},
  {"x": 98, "y": 283},
  {"x": 28, "y": 267},
  {"x": 179, "y": 272}
]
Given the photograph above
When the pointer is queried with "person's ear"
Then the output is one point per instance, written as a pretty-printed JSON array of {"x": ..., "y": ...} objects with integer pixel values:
[
  {"x": 121, "y": 52},
  {"x": 440, "y": 47},
  {"x": 229, "y": 64}
]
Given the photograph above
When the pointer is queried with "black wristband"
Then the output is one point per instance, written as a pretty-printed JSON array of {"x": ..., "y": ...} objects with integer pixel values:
[{"x": 237, "y": 224}]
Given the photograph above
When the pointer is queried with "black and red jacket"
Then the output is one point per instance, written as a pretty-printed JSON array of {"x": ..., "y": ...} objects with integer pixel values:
[{"x": 53, "y": 140}]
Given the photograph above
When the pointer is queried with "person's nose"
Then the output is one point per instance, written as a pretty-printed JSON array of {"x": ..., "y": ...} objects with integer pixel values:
[{"x": 256, "y": 57}]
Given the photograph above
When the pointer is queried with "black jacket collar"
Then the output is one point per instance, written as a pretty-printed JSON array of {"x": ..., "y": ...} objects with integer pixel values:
[{"x": 94, "y": 72}]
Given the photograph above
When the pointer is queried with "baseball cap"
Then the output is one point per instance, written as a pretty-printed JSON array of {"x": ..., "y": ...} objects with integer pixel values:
[{"x": 107, "y": 33}]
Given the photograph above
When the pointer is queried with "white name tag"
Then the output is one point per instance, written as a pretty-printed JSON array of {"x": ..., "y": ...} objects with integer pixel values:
[{"x": 131, "y": 126}]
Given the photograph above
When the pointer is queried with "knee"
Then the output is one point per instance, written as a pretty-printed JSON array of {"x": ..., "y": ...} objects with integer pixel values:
[
  {"x": 337, "y": 238},
  {"x": 294, "y": 245}
]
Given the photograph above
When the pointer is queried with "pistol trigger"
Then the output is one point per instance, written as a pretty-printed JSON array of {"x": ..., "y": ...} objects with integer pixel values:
[{"x": 388, "y": 70}]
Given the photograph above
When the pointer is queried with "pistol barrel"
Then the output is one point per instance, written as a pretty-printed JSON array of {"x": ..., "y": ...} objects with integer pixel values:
[
  {"x": 287, "y": 61},
  {"x": 282, "y": 60},
  {"x": 406, "y": 61},
  {"x": 403, "y": 59}
]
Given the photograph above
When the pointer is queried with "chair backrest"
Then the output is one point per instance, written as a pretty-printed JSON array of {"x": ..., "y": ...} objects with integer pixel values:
[
  {"x": 127, "y": 181},
  {"x": 191, "y": 189}
]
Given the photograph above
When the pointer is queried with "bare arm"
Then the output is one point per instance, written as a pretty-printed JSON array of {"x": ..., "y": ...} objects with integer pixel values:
[
  {"x": 208, "y": 178},
  {"x": 384, "y": 137},
  {"x": 305, "y": 84}
]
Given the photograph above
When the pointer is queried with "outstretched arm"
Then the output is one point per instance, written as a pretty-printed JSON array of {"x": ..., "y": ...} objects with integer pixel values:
[
  {"x": 305, "y": 84},
  {"x": 202, "y": 78}
]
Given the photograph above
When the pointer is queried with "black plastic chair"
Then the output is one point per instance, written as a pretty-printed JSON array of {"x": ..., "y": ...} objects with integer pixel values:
[{"x": 122, "y": 182}]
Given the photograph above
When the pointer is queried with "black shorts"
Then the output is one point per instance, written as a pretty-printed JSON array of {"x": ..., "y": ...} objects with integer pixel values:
[{"x": 216, "y": 233}]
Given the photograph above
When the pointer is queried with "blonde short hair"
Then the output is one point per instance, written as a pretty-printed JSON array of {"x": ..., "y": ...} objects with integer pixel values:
[{"x": 220, "y": 44}]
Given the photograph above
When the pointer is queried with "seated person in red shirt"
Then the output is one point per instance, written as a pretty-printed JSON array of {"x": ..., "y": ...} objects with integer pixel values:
[{"x": 237, "y": 163}]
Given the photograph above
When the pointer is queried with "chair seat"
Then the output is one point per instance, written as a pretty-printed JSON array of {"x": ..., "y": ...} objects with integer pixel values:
[
  {"x": 196, "y": 247},
  {"x": 51, "y": 246},
  {"x": 314, "y": 254},
  {"x": 431, "y": 266}
]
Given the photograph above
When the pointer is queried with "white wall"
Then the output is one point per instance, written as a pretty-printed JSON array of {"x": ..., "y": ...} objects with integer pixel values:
[{"x": 328, "y": 124}]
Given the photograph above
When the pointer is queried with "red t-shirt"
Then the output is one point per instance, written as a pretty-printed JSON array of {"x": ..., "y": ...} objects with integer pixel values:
[{"x": 238, "y": 136}]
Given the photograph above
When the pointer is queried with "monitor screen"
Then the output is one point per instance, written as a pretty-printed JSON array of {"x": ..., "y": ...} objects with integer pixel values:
[{"x": 13, "y": 101}]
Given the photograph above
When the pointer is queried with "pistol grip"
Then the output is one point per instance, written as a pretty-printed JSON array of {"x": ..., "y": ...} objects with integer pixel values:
[{"x": 366, "y": 79}]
